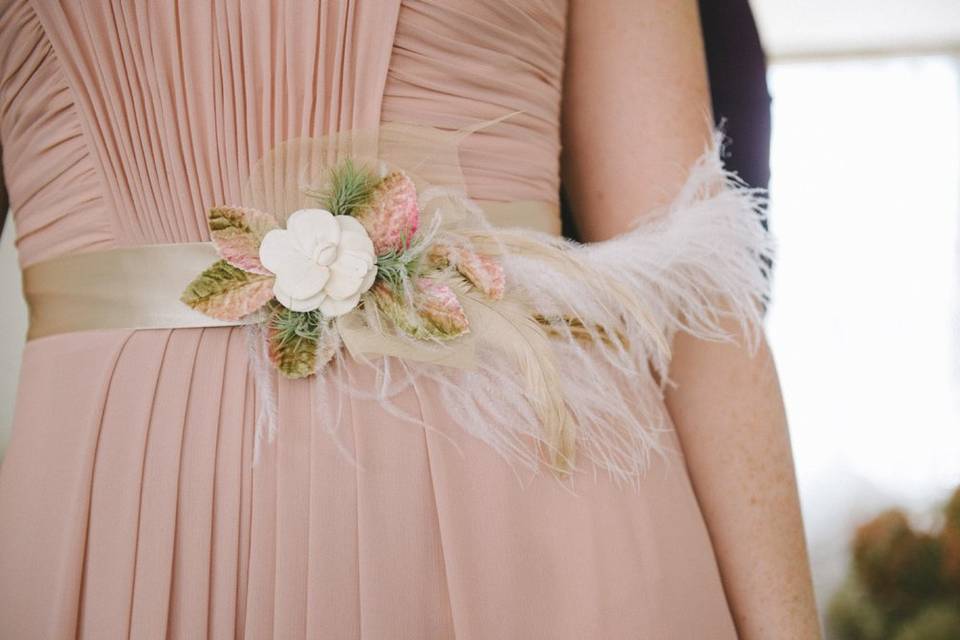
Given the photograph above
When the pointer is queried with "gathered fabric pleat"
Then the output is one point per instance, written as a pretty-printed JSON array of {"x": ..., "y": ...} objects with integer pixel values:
[
  {"x": 135, "y": 488},
  {"x": 507, "y": 58},
  {"x": 164, "y": 108},
  {"x": 129, "y": 502},
  {"x": 50, "y": 173}
]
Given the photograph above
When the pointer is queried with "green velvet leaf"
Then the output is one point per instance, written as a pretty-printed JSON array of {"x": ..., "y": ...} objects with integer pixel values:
[
  {"x": 434, "y": 314},
  {"x": 227, "y": 293},
  {"x": 238, "y": 232},
  {"x": 441, "y": 311},
  {"x": 294, "y": 337}
]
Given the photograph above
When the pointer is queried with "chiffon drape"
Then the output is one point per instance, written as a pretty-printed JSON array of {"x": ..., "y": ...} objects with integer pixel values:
[{"x": 129, "y": 506}]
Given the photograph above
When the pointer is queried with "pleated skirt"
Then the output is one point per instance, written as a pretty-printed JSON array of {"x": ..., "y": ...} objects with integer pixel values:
[{"x": 130, "y": 507}]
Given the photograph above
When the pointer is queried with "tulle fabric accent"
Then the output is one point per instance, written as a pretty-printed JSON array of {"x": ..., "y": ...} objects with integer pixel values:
[{"x": 572, "y": 361}]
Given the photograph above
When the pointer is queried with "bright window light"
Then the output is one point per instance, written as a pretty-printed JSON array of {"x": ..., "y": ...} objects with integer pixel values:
[{"x": 865, "y": 203}]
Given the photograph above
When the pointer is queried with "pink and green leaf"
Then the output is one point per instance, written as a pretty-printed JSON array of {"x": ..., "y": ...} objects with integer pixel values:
[
  {"x": 434, "y": 314},
  {"x": 438, "y": 306},
  {"x": 227, "y": 293},
  {"x": 299, "y": 342},
  {"x": 391, "y": 215},
  {"x": 391, "y": 304},
  {"x": 294, "y": 360},
  {"x": 482, "y": 271},
  {"x": 237, "y": 232}
]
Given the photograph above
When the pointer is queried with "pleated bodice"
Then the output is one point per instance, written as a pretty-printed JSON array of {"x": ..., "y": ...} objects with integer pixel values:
[
  {"x": 130, "y": 504},
  {"x": 122, "y": 122}
]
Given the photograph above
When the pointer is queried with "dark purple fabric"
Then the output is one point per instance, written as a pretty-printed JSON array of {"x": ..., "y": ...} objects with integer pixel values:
[
  {"x": 4, "y": 201},
  {"x": 737, "y": 68}
]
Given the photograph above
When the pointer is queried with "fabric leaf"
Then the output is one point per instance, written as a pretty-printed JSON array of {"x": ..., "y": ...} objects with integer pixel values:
[
  {"x": 483, "y": 272},
  {"x": 391, "y": 304},
  {"x": 439, "y": 307},
  {"x": 227, "y": 293},
  {"x": 299, "y": 341},
  {"x": 434, "y": 314},
  {"x": 391, "y": 215},
  {"x": 237, "y": 232}
]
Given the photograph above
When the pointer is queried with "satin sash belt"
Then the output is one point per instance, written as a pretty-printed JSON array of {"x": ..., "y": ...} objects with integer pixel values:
[{"x": 140, "y": 287}]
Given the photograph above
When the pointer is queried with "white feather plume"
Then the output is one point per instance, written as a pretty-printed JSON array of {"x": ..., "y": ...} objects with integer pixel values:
[{"x": 570, "y": 365}]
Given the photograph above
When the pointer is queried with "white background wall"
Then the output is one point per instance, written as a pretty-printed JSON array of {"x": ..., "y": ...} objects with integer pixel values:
[
  {"x": 865, "y": 202},
  {"x": 792, "y": 28},
  {"x": 866, "y": 318},
  {"x": 13, "y": 328}
]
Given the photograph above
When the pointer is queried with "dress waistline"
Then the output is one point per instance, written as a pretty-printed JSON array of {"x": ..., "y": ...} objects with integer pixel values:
[{"x": 140, "y": 287}]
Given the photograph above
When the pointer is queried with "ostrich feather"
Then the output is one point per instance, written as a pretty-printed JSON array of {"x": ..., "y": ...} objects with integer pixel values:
[{"x": 568, "y": 367}]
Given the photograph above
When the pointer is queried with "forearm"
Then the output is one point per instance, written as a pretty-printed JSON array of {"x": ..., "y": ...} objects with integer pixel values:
[
  {"x": 636, "y": 106},
  {"x": 729, "y": 416}
]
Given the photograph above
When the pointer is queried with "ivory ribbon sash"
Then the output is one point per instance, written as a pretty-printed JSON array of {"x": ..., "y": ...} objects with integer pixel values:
[{"x": 140, "y": 287}]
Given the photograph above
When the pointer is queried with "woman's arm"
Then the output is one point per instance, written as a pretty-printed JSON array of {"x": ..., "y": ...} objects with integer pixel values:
[{"x": 635, "y": 117}]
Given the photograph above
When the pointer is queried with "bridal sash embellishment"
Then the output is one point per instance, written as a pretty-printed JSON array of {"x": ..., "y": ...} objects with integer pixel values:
[
  {"x": 365, "y": 244},
  {"x": 321, "y": 262},
  {"x": 363, "y": 249},
  {"x": 358, "y": 256}
]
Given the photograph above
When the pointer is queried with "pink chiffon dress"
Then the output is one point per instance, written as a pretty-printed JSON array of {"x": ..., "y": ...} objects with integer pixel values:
[{"x": 129, "y": 503}]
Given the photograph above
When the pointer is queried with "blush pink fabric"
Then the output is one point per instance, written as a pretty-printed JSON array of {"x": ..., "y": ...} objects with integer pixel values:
[{"x": 128, "y": 504}]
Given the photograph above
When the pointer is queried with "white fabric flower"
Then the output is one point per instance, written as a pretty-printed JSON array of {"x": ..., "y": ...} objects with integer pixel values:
[{"x": 321, "y": 261}]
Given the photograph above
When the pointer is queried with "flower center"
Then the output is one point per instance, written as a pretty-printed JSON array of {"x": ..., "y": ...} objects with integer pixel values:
[{"x": 324, "y": 253}]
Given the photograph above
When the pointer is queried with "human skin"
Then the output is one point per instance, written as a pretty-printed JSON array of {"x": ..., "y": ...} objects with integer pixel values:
[{"x": 635, "y": 116}]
